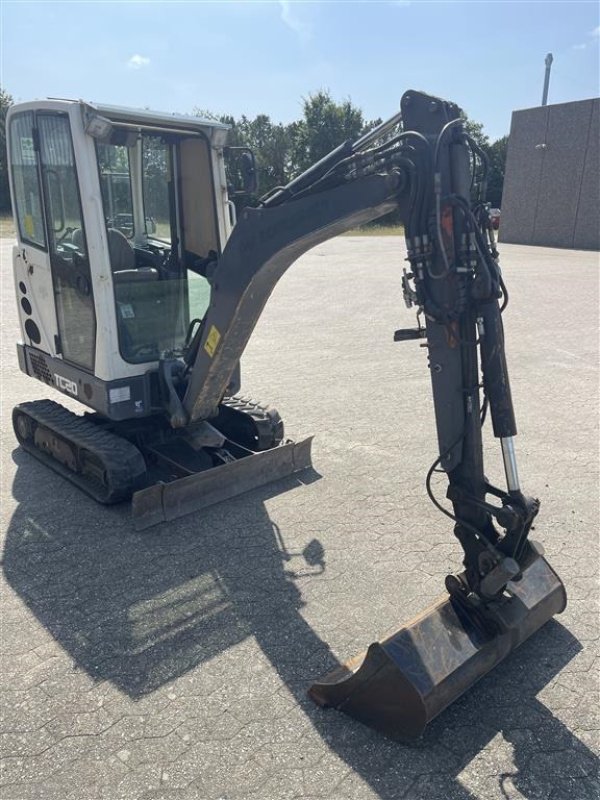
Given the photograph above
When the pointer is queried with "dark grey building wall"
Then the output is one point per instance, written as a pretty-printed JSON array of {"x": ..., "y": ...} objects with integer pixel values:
[{"x": 551, "y": 190}]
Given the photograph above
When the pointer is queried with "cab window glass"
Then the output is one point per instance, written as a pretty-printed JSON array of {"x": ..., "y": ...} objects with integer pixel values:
[
  {"x": 68, "y": 250},
  {"x": 157, "y": 191},
  {"x": 115, "y": 184},
  {"x": 26, "y": 184},
  {"x": 65, "y": 222},
  {"x": 156, "y": 296}
]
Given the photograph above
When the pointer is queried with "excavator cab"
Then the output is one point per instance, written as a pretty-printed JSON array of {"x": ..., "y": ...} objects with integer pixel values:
[{"x": 121, "y": 216}]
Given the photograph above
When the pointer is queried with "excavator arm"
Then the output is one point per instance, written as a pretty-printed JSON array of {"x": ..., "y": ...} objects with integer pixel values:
[
  {"x": 426, "y": 172},
  {"x": 435, "y": 174}
]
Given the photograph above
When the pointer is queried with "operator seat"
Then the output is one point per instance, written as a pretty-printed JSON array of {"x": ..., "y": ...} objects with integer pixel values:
[
  {"x": 122, "y": 260},
  {"x": 122, "y": 257}
]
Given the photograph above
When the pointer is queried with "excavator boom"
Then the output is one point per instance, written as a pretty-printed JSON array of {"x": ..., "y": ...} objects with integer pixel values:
[
  {"x": 507, "y": 590},
  {"x": 263, "y": 244}
]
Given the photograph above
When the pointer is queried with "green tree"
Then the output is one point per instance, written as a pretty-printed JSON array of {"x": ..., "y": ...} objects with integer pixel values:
[
  {"x": 271, "y": 143},
  {"x": 497, "y": 155},
  {"x": 284, "y": 151},
  {"x": 6, "y": 102},
  {"x": 325, "y": 125},
  {"x": 475, "y": 130}
]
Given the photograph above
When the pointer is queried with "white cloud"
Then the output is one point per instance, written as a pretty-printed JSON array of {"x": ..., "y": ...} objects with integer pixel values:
[
  {"x": 137, "y": 61},
  {"x": 595, "y": 33},
  {"x": 301, "y": 29}
]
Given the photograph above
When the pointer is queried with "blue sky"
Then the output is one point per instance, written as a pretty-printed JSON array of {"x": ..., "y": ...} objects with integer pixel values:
[{"x": 253, "y": 57}]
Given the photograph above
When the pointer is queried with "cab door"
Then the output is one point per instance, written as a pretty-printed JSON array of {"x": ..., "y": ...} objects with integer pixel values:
[
  {"x": 31, "y": 263},
  {"x": 67, "y": 247}
]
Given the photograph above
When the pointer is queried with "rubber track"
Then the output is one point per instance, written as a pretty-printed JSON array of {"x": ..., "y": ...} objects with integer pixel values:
[
  {"x": 267, "y": 422},
  {"x": 123, "y": 463}
]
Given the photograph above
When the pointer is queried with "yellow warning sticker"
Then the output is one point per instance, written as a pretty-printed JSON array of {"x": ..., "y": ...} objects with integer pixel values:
[
  {"x": 28, "y": 225},
  {"x": 212, "y": 341}
]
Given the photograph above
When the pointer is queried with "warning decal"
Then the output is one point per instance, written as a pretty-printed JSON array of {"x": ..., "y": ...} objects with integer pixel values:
[{"x": 212, "y": 341}]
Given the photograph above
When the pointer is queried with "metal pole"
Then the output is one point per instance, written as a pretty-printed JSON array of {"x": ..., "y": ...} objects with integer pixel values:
[{"x": 548, "y": 62}]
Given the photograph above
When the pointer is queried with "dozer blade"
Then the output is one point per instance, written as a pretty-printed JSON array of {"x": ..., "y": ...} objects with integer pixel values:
[
  {"x": 167, "y": 501},
  {"x": 407, "y": 679}
]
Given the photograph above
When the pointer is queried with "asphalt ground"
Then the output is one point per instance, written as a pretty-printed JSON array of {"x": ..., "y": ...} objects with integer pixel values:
[{"x": 174, "y": 663}]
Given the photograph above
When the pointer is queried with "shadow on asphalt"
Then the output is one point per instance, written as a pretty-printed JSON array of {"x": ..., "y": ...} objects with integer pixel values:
[{"x": 142, "y": 609}]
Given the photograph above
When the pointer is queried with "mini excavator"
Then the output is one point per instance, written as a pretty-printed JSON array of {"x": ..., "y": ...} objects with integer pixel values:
[{"x": 138, "y": 290}]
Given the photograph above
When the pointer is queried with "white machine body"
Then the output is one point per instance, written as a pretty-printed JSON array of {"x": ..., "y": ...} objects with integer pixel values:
[{"x": 119, "y": 215}]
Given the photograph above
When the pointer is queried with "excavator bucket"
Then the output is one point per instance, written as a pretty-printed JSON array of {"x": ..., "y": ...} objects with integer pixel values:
[
  {"x": 168, "y": 501},
  {"x": 408, "y": 678}
]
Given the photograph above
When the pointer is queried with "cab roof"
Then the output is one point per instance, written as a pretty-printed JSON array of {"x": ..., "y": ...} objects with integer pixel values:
[
  {"x": 148, "y": 117},
  {"x": 143, "y": 116}
]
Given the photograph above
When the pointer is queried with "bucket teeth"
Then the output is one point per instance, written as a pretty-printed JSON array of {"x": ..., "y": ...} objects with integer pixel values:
[{"x": 407, "y": 679}]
